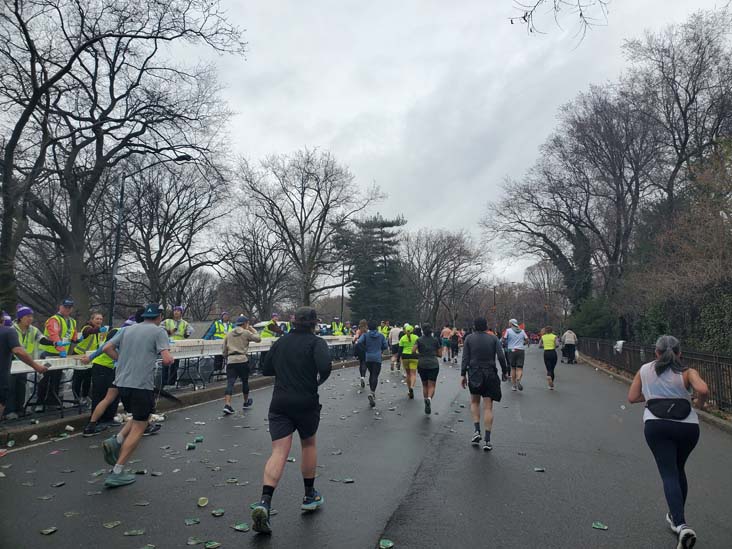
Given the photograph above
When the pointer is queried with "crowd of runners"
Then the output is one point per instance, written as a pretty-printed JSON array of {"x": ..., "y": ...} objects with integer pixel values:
[{"x": 300, "y": 362}]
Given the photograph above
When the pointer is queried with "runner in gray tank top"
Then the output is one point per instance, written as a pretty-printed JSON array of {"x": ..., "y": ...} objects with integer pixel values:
[{"x": 671, "y": 426}]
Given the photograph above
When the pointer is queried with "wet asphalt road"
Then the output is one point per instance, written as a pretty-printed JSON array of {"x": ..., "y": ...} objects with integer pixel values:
[{"x": 417, "y": 479}]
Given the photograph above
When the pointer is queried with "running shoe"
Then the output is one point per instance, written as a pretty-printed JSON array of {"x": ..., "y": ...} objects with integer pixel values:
[
  {"x": 513, "y": 387},
  {"x": 428, "y": 406},
  {"x": 372, "y": 400},
  {"x": 520, "y": 387},
  {"x": 476, "y": 438},
  {"x": 260, "y": 519},
  {"x": 111, "y": 450},
  {"x": 228, "y": 410},
  {"x": 312, "y": 503},
  {"x": 456, "y": 360},
  {"x": 504, "y": 377},
  {"x": 670, "y": 522},
  {"x": 91, "y": 430},
  {"x": 248, "y": 403},
  {"x": 151, "y": 429},
  {"x": 117, "y": 480},
  {"x": 363, "y": 383},
  {"x": 487, "y": 446},
  {"x": 687, "y": 537},
  {"x": 411, "y": 393}
]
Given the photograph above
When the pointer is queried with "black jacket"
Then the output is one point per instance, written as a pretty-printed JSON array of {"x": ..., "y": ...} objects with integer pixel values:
[
  {"x": 300, "y": 361},
  {"x": 479, "y": 352}
]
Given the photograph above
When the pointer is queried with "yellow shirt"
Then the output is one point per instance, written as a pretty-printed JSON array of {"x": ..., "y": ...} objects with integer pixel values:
[{"x": 549, "y": 341}]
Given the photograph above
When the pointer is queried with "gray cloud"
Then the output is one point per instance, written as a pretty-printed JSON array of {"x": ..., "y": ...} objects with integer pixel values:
[{"x": 435, "y": 104}]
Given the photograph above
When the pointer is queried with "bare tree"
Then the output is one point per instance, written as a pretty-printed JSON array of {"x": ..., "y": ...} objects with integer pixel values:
[
  {"x": 587, "y": 13},
  {"x": 82, "y": 82},
  {"x": 305, "y": 199},
  {"x": 440, "y": 265},
  {"x": 200, "y": 294},
  {"x": 170, "y": 228},
  {"x": 258, "y": 267},
  {"x": 685, "y": 72}
]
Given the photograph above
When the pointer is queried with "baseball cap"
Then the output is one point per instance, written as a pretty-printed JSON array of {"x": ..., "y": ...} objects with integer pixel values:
[
  {"x": 240, "y": 321},
  {"x": 306, "y": 314},
  {"x": 152, "y": 310},
  {"x": 68, "y": 302},
  {"x": 513, "y": 322}
]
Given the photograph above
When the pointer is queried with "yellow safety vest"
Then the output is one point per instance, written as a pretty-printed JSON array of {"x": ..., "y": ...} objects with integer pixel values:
[
  {"x": 337, "y": 328},
  {"x": 266, "y": 332},
  {"x": 221, "y": 328},
  {"x": 179, "y": 332},
  {"x": 66, "y": 333},
  {"x": 384, "y": 330},
  {"x": 90, "y": 343},
  {"x": 29, "y": 341},
  {"x": 549, "y": 341},
  {"x": 104, "y": 359}
]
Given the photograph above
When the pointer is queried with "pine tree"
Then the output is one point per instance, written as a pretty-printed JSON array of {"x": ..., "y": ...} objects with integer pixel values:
[{"x": 377, "y": 291}]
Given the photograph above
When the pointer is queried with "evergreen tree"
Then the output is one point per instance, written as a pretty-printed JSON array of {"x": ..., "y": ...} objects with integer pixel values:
[{"x": 377, "y": 289}]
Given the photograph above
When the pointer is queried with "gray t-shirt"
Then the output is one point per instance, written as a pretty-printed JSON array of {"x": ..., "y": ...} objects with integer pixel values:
[
  {"x": 516, "y": 340},
  {"x": 139, "y": 348}
]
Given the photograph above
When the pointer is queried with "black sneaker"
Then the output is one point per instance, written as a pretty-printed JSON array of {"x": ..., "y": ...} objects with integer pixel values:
[
  {"x": 91, "y": 430},
  {"x": 151, "y": 429},
  {"x": 372, "y": 400},
  {"x": 476, "y": 438},
  {"x": 411, "y": 393},
  {"x": 520, "y": 387},
  {"x": 260, "y": 519},
  {"x": 487, "y": 446},
  {"x": 504, "y": 377},
  {"x": 228, "y": 410},
  {"x": 248, "y": 404},
  {"x": 427, "y": 406}
]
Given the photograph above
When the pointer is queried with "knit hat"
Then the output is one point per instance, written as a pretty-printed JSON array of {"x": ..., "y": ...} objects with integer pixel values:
[
  {"x": 23, "y": 311},
  {"x": 7, "y": 321}
]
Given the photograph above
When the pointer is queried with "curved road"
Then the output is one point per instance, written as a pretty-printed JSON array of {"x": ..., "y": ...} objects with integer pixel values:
[{"x": 417, "y": 480}]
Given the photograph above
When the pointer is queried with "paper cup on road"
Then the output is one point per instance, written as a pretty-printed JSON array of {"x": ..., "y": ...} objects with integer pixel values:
[
  {"x": 69, "y": 428},
  {"x": 33, "y": 438}
]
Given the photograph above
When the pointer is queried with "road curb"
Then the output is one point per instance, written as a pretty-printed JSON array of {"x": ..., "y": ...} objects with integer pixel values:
[
  {"x": 53, "y": 428},
  {"x": 706, "y": 417}
]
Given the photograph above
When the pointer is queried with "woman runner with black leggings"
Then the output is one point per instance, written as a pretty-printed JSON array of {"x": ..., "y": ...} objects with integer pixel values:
[
  {"x": 549, "y": 341},
  {"x": 671, "y": 425}
]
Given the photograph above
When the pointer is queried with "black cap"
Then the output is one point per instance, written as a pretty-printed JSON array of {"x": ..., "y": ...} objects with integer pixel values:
[
  {"x": 68, "y": 302},
  {"x": 152, "y": 310},
  {"x": 241, "y": 320},
  {"x": 306, "y": 314}
]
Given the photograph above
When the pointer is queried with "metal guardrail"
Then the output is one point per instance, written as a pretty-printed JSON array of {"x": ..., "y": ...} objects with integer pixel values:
[{"x": 715, "y": 369}]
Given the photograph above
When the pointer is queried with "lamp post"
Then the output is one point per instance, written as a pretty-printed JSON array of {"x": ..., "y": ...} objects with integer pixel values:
[{"x": 118, "y": 228}]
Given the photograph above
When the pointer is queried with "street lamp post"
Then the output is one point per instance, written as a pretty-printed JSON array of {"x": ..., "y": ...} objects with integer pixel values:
[{"x": 118, "y": 229}]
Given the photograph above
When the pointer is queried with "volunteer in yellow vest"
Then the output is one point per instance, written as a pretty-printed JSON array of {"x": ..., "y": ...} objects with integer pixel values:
[
  {"x": 384, "y": 329},
  {"x": 217, "y": 331},
  {"x": 93, "y": 335},
  {"x": 272, "y": 329},
  {"x": 409, "y": 358},
  {"x": 30, "y": 339},
  {"x": 60, "y": 329},
  {"x": 336, "y": 327},
  {"x": 549, "y": 342},
  {"x": 178, "y": 329}
]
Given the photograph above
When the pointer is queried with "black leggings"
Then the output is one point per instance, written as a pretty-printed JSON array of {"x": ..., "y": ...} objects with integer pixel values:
[
  {"x": 234, "y": 371},
  {"x": 361, "y": 367},
  {"x": 550, "y": 361},
  {"x": 374, "y": 369},
  {"x": 671, "y": 443}
]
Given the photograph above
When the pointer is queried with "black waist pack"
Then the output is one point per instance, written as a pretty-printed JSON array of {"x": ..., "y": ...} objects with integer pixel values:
[{"x": 669, "y": 408}]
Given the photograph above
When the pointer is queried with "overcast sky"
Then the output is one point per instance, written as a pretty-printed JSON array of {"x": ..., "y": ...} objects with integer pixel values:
[{"x": 434, "y": 104}]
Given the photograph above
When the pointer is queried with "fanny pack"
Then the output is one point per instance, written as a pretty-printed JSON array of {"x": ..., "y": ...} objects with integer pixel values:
[{"x": 669, "y": 408}]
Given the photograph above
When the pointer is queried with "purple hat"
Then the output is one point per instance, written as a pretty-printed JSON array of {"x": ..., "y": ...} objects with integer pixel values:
[
  {"x": 178, "y": 308},
  {"x": 224, "y": 314},
  {"x": 23, "y": 311},
  {"x": 275, "y": 315},
  {"x": 7, "y": 321},
  {"x": 129, "y": 322}
]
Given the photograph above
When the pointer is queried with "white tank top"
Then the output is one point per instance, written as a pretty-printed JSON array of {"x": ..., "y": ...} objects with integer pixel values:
[{"x": 668, "y": 385}]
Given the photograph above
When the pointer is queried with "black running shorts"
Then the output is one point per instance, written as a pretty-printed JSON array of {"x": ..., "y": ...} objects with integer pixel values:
[
  {"x": 138, "y": 402},
  {"x": 485, "y": 383},
  {"x": 305, "y": 422},
  {"x": 516, "y": 358},
  {"x": 428, "y": 374},
  {"x": 395, "y": 349}
]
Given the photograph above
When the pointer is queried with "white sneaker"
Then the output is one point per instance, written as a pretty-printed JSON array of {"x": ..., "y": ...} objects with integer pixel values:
[
  {"x": 687, "y": 537},
  {"x": 670, "y": 522},
  {"x": 476, "y": 438}
]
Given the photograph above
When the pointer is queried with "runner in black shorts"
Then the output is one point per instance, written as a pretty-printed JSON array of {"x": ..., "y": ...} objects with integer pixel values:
[
  {"x": 428, "y": 365},
  {"x": 480, "y": 350},
  {"x": 300, "y": 361}
]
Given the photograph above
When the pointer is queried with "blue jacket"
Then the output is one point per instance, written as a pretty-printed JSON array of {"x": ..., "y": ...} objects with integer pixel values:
[{"x": 375, "y": 343}]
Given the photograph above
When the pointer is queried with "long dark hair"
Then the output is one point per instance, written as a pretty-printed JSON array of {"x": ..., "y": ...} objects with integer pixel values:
[
  {"x": 668, "y": 350},
  {"x": 427, "y": 329}
]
